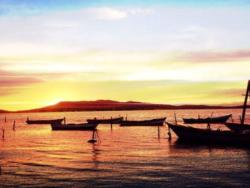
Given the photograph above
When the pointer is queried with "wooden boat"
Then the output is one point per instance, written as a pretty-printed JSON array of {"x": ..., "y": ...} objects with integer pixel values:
[
  {"x": 219, "y": 119},
  {"x": 240, "y": 127},
  {"x": 237, "y": 127},
  {"x": 198, "y": 135},
  {"x": 106, "y": 121},
  {"x": 150, "y": 122},
  {"x": 73, "y": 126},
  {"x": 48, "y": 121}
]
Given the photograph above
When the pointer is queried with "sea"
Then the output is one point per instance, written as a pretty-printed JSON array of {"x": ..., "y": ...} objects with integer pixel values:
[{"x": 36, "y": 156}]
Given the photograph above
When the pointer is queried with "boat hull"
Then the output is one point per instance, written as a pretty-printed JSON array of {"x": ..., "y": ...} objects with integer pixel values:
[
  {"x": 106, "y": 121},
  {"x": 220, "y": 119},
  {"x": 73, "y": 127},
  {"x": 152, "y": 122},
  {"x": 44, "y": 121},
  {"x": 191, "y": 134},
  {"x": 238, "y": 127}
]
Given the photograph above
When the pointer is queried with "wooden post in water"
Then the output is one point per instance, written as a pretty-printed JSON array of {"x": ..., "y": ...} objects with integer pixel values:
[
  {"x": 245, "y": 103},
  {"x": 14, "y": 125},
  {"x": 3, "y": 131},
  {"x": 159, "y": 134}
]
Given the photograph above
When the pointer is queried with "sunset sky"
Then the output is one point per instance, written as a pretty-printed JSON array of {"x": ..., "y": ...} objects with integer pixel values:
[{"x": 172, "y": 52}]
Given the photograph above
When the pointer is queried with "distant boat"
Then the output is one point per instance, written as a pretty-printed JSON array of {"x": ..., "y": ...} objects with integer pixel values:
[
  {"x": 219, "y": 119},
  {"x": 198, "y": 135},
  {"x": 73, "y": 126},
  {"x": 48, "y": 121},
  {"x": 106, "y": 121},
  {"x": 150, "y": 122},
  {"x": 240, "y": 127}
]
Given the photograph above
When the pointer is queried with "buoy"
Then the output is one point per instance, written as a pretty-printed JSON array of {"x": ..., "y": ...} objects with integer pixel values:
[
  {"x": 92, "y": 141},
  {"x": 94, "y": 136}
]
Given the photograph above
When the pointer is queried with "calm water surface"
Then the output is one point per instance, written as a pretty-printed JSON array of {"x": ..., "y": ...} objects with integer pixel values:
[{"x": 35, "y": 156}]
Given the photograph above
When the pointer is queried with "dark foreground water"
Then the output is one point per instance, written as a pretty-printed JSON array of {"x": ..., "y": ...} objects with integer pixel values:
[{"x": 35, "y": 156}]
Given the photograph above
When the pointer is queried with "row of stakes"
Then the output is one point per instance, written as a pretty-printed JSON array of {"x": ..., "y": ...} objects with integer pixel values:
[{"x": 13, "y": 127}]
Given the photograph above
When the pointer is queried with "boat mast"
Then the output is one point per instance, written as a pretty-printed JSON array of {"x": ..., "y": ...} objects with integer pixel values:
[{"x": 245, "y": 103}]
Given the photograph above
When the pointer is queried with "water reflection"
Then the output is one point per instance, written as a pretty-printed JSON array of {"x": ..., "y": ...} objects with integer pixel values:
[
  {"x": 96, "y": 153},
  {"x": 132, "y": 156}
]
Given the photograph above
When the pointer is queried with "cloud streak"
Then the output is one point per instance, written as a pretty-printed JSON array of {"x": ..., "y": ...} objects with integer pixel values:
[
  {"x": 210, "y": 57},
  {"x": 11, "y": 79}
]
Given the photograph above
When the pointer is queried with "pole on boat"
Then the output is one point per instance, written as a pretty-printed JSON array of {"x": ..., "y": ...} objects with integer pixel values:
[
  {"x": 14, "y": 125},
  {"x": 208, "y": 126},
  {"x": 175, "y": 118},
  {"x": 111, "y": 125},
  {"x": 232, "y": 118},
  {"x": 169, "y": 134},
  {"x": 212, "y": 114},
  {"x": 245, "y": 103}
]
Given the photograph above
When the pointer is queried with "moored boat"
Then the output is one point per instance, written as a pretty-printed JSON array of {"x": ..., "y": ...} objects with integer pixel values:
[
  {"x": 219, "y": 119},
  {"x": 44, "y": 121},
  {"x": 150, "y": 122},
  {"x": 241, "y": 126},
  {"x": 238, "y": 127},
  {"x": 106, "y": 121},
  {"x": 198, "y": 135},
  {"x": 73, "y": 126}
]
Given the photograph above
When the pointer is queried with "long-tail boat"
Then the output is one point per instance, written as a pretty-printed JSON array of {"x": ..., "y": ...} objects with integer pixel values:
[
  {"x": 150, "y": 122},
  {"x": 106, "y": 121},
  {"x": 239, "y": 127},
  {"x": 44, "y": 121},
  {"x": 218, "y": 119},
  {"x": 73, "y": 126},
  {"x": 198, "y": 135}
]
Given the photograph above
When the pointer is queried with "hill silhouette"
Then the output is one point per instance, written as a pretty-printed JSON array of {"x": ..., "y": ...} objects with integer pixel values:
[{"x": 110, "y": 105}]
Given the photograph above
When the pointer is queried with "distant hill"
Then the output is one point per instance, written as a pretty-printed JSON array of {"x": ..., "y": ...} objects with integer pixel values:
[
  {"x": 4, "y": 111},
  {"x": 109, "y": 105}
]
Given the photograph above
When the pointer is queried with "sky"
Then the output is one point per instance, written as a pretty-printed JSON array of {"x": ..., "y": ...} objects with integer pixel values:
[{"x": 170, "y": 52}]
